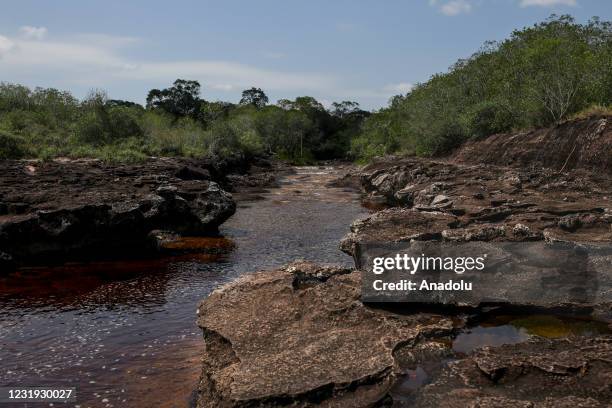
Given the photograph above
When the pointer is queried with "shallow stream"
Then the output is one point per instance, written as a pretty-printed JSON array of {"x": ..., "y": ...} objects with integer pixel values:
[{"x": 124, "y": 333}]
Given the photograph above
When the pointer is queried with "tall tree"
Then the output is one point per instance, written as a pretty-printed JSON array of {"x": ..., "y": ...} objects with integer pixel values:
[
  {"x": 255, "y": 97},
  {"x": 181, "y": 99}
]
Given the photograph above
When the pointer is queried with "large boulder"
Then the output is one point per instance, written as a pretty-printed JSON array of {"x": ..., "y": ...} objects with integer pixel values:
[{"x": 300, "y": 336}]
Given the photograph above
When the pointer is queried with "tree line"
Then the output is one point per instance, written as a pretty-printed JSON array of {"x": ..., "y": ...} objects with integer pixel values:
[
  {"x": 539, "y": 76},
  {"x": 176, "y": 121}
]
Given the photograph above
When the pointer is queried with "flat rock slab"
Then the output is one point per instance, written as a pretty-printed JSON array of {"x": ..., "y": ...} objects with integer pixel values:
[
  {"x": 300, "y": 336},
  {"x": 575, "y": 372}
]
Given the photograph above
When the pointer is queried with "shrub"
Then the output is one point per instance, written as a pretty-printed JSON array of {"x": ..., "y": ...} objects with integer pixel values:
[
  {"x": 11, "y": 146},
  {"x": 487, "y": 118},
  {"x": 593, "y": 110}
]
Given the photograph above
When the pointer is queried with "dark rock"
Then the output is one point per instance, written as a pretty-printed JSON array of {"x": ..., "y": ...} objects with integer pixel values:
[
  {"x": 447, "y": 205},
  {"x": 575, "y": 144},
  {"x": 570, "y": 223},
  {"x": 192, "y": 173},
  {"x": 102, "y": 210},
  {"x": 397, "y": 225},
  {"x": 6, "y": 263},
  {"x": 576, "y": 209},
  {"x": 440, "y": 199}
]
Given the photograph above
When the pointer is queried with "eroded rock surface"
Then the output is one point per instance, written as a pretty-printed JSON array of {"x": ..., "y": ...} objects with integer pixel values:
[
  {"x": 445, "y": 201},
  {"x": 299, "y": 336},
  {"x": 575, "y": 144},
  {"x": 574, "y": 372},
  {"x": 80, "y": 208}
]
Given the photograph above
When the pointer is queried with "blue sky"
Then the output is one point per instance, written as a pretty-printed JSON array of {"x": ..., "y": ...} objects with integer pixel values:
[{"x": 330, "y": 49}]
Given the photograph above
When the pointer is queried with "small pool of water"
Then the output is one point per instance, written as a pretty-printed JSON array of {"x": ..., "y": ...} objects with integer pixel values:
[
  {"x": 512, "y": 329},
  {"x": 493, "y": 331}
]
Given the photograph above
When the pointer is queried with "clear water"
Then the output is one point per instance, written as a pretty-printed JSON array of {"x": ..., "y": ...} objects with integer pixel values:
[{"x": 124, "y": 333}]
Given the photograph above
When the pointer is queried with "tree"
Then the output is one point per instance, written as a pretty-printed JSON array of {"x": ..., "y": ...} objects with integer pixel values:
[
  {"x": 113, "y": 103},
  {"x": 344, "y": 108},
  {"x": 255, "y": 97},
  {"x": 181, "y": 99},
  {"x": 540, "y": 75},
  {"x": 213, "y": 111},
  {"x": 307, "y": 103},
  {"x": 558, "y": 63},
  {"x": 285, "y": 104}
]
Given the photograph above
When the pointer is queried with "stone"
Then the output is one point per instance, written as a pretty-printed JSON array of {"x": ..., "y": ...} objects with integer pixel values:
[
  {"x": 573, "y": 372},
  {"x": 299, "y": 336},
  {"x": 100, "y": 209},
  {"x": 439, "y": 199},
  {"x": 192, "y": 173}
]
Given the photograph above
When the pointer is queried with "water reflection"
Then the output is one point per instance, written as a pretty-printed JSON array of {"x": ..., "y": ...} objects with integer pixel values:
[{"x": 498, "y": 330}]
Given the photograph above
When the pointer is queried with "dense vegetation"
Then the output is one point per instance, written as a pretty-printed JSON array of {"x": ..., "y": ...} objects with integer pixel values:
[
  {"x": 176, "y": 121},
  {"x": 539, "y": 76}
]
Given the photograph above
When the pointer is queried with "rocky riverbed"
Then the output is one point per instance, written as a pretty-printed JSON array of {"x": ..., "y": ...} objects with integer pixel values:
[
  {"x": 86, "y": 209},
  {"x": 301, "y": 336},
  {"x": 123, "y": 331}
]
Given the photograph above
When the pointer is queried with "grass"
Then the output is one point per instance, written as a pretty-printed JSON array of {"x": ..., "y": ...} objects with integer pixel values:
[{"x": 593, "y": 110}]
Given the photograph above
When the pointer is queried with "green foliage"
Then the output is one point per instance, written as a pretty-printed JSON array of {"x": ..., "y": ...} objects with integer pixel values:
[
  {"x": 255, "y": 97},
  {"x": 539, "y": 76},
  {"x": 102, "y": 123},
  {"x": 47, "y": 123},
  {"x": 181, "y": 99},
  {"x": 593, "y": 110},
  {"x": 11, "y": 146},
  {"x": 487, "y": 118}
]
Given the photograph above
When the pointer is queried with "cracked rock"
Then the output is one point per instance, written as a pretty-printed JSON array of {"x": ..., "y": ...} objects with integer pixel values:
[{"x": 299, "y": 336}]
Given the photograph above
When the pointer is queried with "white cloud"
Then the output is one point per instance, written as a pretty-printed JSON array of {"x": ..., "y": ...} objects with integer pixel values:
[
  {"x": 401, "y": 88},
  {"x": 227, "y": 75},
  {"x": 548, "y": 3},
  {"x": 5, "y": 45},
  {"x": 85, "y": 61},
  {"x": 106, "y": 40},
  {"x": 454, "y": 7},
  {"x": 33, "y": 33},
  {"x": 223, "y": 87},
  {"x": 99, "y": 60}
]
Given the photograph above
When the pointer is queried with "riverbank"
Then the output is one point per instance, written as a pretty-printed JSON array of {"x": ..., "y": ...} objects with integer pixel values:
[
  {"x": 122, "y": 330},
  {"x": 301, "y": 335},
  {"x": 70, "y": 210}
]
